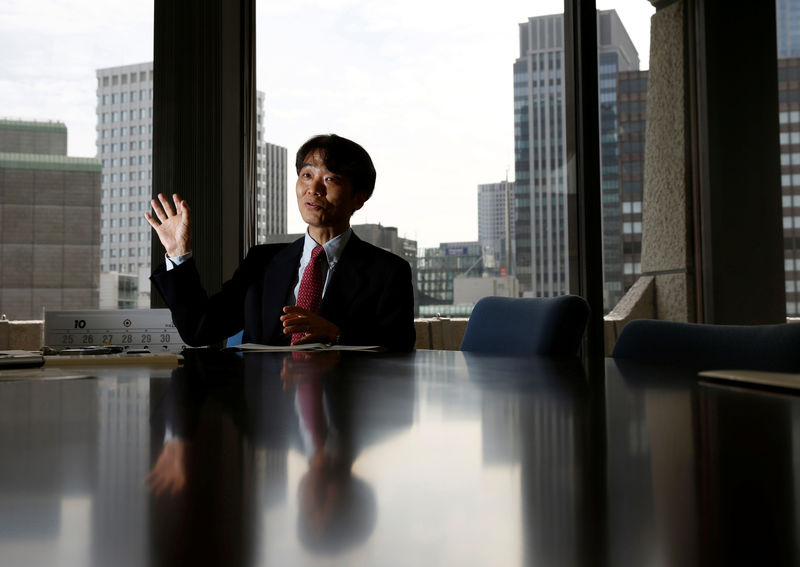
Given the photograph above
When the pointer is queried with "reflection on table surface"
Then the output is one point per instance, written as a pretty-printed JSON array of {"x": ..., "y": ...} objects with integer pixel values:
[{"x": 432, "y": 458}]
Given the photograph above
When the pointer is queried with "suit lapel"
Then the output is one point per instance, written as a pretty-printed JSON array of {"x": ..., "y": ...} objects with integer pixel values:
[
  {"x": 346, "y": 281},
  {"x": 279, "y": 274}
]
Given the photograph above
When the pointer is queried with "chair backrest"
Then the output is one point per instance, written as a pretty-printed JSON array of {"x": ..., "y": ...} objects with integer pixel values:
[
  {"x": 551, "y": 326},
  {"x": 707, "y": 347},
  {"x": 235, "y": 340}
]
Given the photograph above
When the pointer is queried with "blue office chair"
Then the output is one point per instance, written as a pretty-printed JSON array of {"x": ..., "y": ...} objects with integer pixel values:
[
  {"x": 516, "y": 327},
  {"x": 707, "y": 347},
  {"x": 235, "y": 340}
]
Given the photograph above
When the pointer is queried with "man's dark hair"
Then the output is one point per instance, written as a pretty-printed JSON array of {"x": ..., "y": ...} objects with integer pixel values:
[{"x": 343, "y": 157}]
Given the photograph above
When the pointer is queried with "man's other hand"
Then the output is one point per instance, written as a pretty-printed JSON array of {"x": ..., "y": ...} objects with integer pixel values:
[
  {"x": 169, "y": 473},
  {"x": 174, "y": 227},
  {"x": 316, "y": 329}
]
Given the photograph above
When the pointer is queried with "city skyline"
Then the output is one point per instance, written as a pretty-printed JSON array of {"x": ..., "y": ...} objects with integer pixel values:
[{"x": 454, "y": 78}]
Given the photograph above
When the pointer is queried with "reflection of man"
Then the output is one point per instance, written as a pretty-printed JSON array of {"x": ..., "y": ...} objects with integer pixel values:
[
  {"x": 337, "y": 509},
  {"x": 366, "y": 292},
  {"x": 312, "y": 407}
]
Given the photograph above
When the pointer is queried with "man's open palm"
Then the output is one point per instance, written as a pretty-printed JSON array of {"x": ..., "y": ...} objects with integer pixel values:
[{"x": 173, "y": 226}]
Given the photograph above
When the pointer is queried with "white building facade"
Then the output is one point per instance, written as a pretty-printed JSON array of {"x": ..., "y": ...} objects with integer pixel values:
[{"x": 125, "y": 150}]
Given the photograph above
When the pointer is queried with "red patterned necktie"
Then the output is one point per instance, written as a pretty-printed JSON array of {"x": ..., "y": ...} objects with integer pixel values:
[{"x": 310, "y": 294}]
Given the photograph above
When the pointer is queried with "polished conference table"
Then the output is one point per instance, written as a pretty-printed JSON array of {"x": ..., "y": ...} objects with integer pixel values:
[{"x": 431, "y": 458}]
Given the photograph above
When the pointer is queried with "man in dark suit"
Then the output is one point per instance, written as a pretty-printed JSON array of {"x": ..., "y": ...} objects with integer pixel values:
[{"x": 367, "y": 296}]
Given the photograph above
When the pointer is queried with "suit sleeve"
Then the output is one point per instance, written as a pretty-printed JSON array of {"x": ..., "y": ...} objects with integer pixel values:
[{"x": 202, "y": 320}]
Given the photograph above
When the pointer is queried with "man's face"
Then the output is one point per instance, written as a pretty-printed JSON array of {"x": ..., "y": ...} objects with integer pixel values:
[{"x": 325, "y": 199}]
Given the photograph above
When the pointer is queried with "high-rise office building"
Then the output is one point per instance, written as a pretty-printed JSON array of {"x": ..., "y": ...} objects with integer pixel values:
[
  {"x": 616, "y": 54},
  {"x": 788, "y": 31},
  {"x": 541, "y": 238},
  {"x": 787, "y": 14},
  {"x": 789, "y": 120},
  {"x": 271, "y": 213},
  {"x": 49, "y": 222},
  {"x": 125, "y": 149},
  {"x": 387, "y": 237},
  {"x": 631, "y": 111},
  {"x": 271, "y": 180},
  {"x": 496, "y": 222}
]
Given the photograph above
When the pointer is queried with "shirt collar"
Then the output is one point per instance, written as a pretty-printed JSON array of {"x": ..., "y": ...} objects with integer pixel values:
[{"x": 333, "y": 248}]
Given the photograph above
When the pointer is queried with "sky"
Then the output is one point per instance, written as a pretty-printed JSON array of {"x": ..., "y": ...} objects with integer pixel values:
[{"x": 424, "y": 85}]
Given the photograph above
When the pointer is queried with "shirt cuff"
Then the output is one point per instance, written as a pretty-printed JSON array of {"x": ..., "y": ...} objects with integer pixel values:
[{"x": 177, "y": 260}]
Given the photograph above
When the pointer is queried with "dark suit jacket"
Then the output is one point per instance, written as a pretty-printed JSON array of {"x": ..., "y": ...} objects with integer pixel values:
[{"x": 369, "y": 297}]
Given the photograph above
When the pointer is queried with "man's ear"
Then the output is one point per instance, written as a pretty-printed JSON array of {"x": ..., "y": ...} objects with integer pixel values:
[{"x": 359, "y": 199}]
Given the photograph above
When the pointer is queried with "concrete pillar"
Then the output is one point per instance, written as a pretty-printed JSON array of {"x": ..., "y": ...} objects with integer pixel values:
[{"x": 667, "y": 213}]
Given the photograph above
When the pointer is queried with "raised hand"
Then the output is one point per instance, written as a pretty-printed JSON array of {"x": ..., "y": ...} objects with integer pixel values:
[{"x": 174, "y": 227}]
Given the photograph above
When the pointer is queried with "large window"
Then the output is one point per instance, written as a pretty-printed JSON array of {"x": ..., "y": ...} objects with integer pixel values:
[
  {"x": 75, "y": 146},
  {"x": 459, "y": 108}
]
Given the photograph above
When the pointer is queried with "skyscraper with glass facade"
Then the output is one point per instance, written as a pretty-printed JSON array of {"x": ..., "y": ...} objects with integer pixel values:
[
  {"x": 631, "y": 125},
  {"x": 787, "y": 14},
  {"x": 542, "y": 244},
  {"x": 788, "y": 31},
  {"x": 789, "y": 120},
  {"x": 616, "y": 54}
]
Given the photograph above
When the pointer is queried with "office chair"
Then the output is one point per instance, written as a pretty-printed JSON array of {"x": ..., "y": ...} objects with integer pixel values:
[
  {"x": 235, "y": 340},
  {"x": 706, "y": 347},
  {"x": 516, "y": 327}
]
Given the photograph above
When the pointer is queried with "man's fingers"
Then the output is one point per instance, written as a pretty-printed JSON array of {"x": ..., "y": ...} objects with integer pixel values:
[
  {"x": 177, "y": 487},
  {"x": 151, "y": 220},
  {"x": 157, "y": 210},
  {"x": 294, "y": 309},
  {"x": 156, "y": 484},
  {"x": 296, "y": 327},
  {"x": 291, "y": 317},
  {"x": 293, "y": 313},
  {"x": 308, "y": 337},
  {"x": 314, "y": 327},
  {"x": 161, "y": 208},
  {"x": 181, "y": 206},
  {"x": 166, "y": 206},
  {"x": 299, "y": 324}
]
